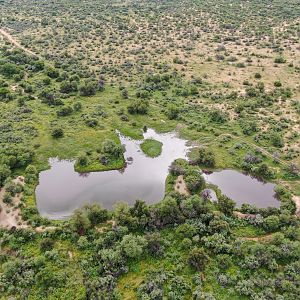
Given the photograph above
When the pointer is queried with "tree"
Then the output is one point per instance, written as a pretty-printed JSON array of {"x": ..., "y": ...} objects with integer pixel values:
[
  {"x": 96, "y": 214},
  {"x": 219, "y": 225},
  {"x": 31, "y": 169},
  {"x": 198, "y": 259},
  {"x": 5, "y": 95},
  {"x": 226, "y": 205},
  {"x": 264, "y": 171},
  {"x": 123, "y": 216},
  {"x": 217, "y": 243},
  {"x": 272, "y": 223},
  {"x": 133, "y": 246},
  {"x": 140, "y": 210},
  {"x": 80, "y": 221},
  {"x": 4, "y": 173},
  {"x": 193, "y": 207},
  {"x": 154, "y": 244},
  {"x": 9, "y": 69},
  {"x": 39, "y": 66},
  {"x": 194, "y": 180},
  {"x": 167, "y": 212}
]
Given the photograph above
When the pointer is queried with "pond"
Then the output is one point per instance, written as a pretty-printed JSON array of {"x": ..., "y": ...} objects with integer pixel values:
[
  {"x": 61, "y": 190},
  {"x": 243, "y": 188}
]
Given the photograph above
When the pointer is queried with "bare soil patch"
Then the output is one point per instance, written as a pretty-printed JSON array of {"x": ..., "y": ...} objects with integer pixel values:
[{"x": 180, "y": 186}]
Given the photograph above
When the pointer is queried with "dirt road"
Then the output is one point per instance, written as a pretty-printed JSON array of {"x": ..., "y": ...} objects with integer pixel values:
[{"x": 7, "y": 36}]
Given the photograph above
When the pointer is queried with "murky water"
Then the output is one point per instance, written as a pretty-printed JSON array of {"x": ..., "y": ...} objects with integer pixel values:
[
  {"x": 244, "y": 188},
  {"x": 61, "y": 190}
]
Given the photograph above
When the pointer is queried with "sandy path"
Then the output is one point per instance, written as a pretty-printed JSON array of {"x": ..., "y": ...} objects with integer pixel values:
[
  {"x": 297, "y": 201},
  {"x": 263, "y": 238},
  {"x": 13, "y": 41},
  {"x": 10, "y": 213}
]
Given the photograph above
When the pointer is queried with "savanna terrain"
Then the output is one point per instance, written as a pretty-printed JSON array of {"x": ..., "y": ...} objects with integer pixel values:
[{"x": 225, "y": 75}]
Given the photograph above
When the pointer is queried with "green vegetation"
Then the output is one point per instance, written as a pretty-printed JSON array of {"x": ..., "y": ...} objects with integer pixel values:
[
  {"x": 224, "y": 74},
  {"x": 151, "y": 147}
]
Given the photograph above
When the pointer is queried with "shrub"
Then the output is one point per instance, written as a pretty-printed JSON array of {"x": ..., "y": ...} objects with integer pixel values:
[
  {"x": 77, "y": 106},
  {"x": 277, "y": 83},
  {"x": 52, "y": 73},
  {"x": 206, "y": 157},
  {"x": 9, "y": 69},
  {"x": 112, "y": 149},
  {"x": 68, "y": 87},
  {"x": 138, "y": 107},
  {"x": 280, "y": 60},
  {"x": 88, "y": 88},
  {"x": 82, "y": 160},
  {"x": 173, "y": 111},
  {"x": 57, "y": 133},
  {"x": 185, "y": 231},
  {"x": 257, "y": 75},
  {"x": 7, "y": 198},
  {"x": 178, "y": 167},
  {"x": 133, "y": 246},
  {"x": 46, "y": 244},
  {"x": 218, "y": 116},
  {"x": 64, "y": 111}
]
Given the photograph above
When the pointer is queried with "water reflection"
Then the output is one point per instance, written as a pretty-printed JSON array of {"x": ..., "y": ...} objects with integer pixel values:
[
  {"x": 243, "y": 188},
  {"x": 61, "y": 189}
]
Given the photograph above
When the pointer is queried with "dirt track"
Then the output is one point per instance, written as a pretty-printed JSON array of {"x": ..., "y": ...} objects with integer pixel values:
[{"x": 7, "y": 36}]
